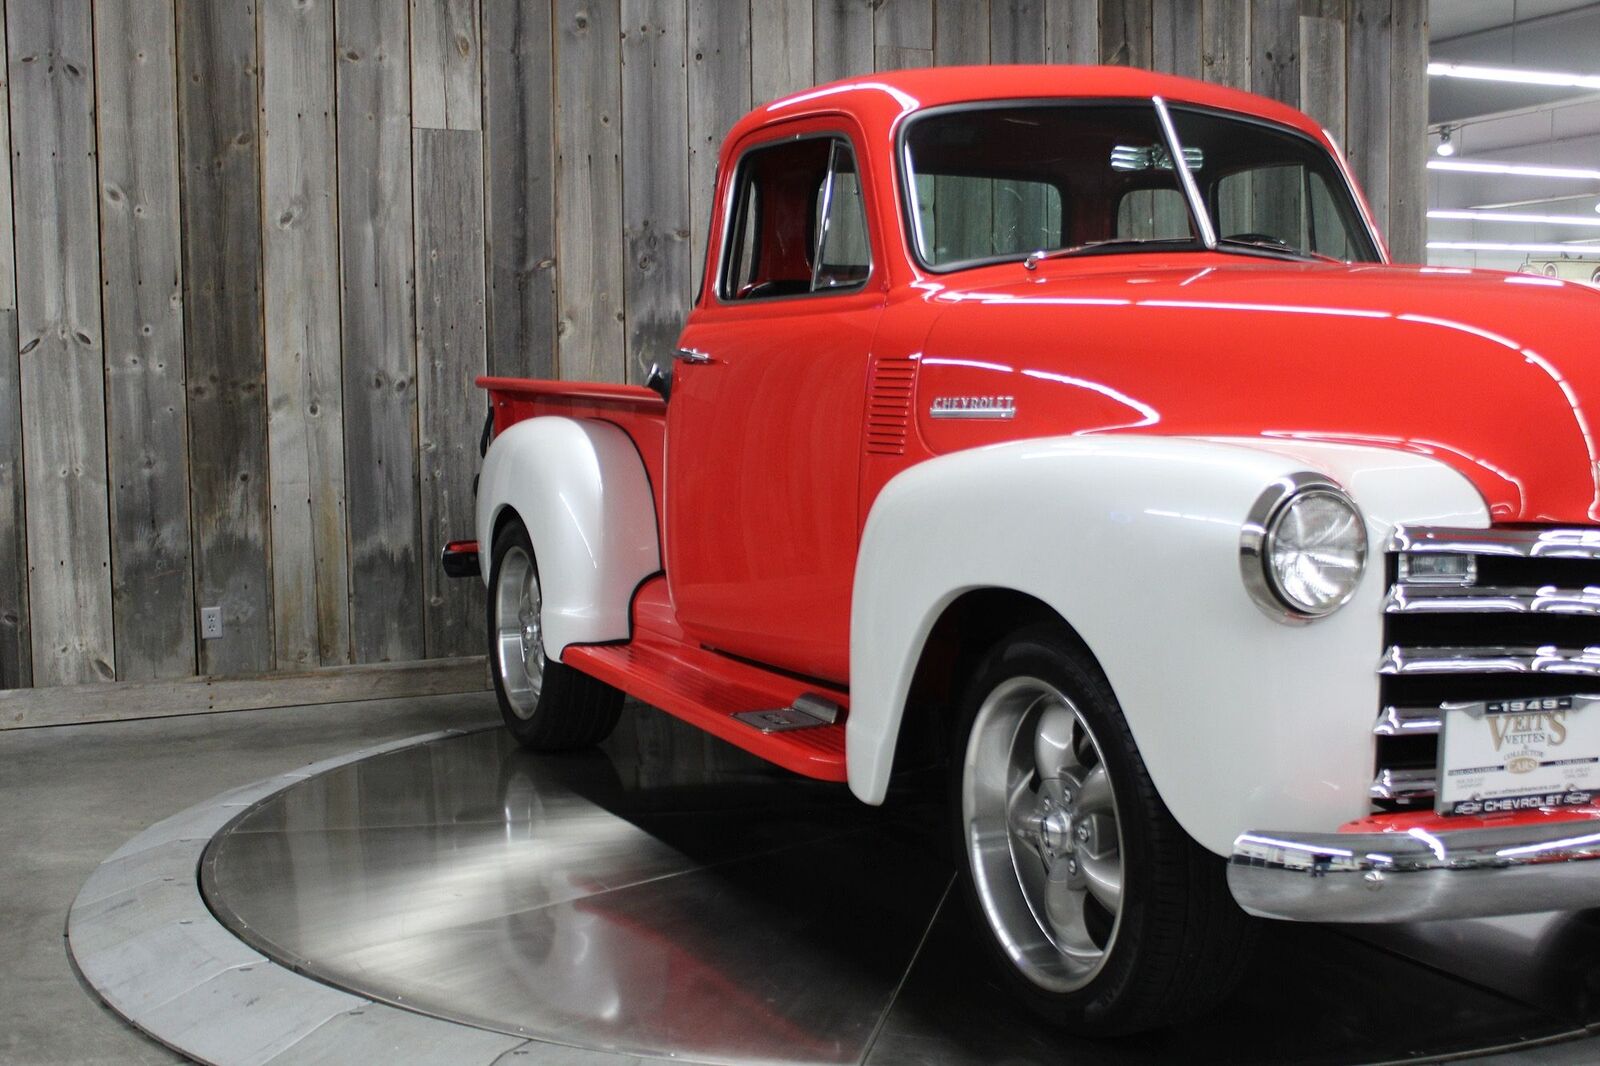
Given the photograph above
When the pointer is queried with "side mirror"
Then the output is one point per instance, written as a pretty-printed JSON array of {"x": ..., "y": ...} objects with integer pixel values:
[{"x": 659, "y": 380}]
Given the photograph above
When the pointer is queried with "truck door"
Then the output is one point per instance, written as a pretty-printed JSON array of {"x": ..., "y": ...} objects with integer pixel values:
[{"x": 769, "y": 394}]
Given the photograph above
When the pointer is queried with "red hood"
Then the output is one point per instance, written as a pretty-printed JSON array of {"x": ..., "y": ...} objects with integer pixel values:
[{"x": 1496, "y": 374}]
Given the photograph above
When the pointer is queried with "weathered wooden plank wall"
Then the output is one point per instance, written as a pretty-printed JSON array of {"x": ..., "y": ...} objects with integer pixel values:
[
  {"x": 16, "y": 655},
  {"x": 266, "y": 245}
]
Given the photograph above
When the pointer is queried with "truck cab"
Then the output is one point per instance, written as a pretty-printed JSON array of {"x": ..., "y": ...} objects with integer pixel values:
[{"x": 1075, "y": 420}]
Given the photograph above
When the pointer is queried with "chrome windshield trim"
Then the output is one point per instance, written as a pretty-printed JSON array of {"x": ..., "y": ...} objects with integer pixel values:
[
  {"x": 1576, "y": 662},
  {"x": 1396, "y": 721},
  {"x": 1568, "y": 543},
  {"x": 1404, "y": 784},
  {"x": 1448, "y": 599},
  {"x": 1191, "y": 190}
]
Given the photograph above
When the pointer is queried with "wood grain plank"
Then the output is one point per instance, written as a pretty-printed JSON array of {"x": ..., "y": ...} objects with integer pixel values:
[
  {"x": 1408, "y": 141},
  {"x": 655, "y": 169},
  {"x": 1225, "y": 25},
  {"x": 51, "y": 58},
  {"x": 519, "y": 166},
  {"x": 152, "y": 572},
  {"x": 300, "y": 294},
  {"x": 1176, "y": 31},
  {"x": 780, "y": 48},
  {"x": 1125, "y": 33},
  {"x": 841, "y": 38},
  {"x": 960, "y": 32},
  {"x": 903, "y": 34},
  {"x": 1017, "y": 31},
  {"x": 16, "y": 654},
  {"x": 589, "y": 332},
  {"x": 445, "y": 81},
  {"x": 447, "y": 186},
  {"x": 223, "y": 343},
  {"x": 378, "y": 331},
  {"x": 1072, "y": 31},
  {"x": 1322, "y": 66},
  {"x": 719, "y": 95},
  {"x": 1275, "y": 49},
  {"x": 125, "y": 701},
  {"x": 1367, "y": 107}
]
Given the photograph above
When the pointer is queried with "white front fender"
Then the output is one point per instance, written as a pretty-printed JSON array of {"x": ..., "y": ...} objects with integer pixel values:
[
  {"x": 1241, "y": 720},
  {"x": 580, "y": 489}
]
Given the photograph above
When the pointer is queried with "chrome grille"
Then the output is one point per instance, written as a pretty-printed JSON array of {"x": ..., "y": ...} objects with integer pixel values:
[{"x": 1523, "y": 620}]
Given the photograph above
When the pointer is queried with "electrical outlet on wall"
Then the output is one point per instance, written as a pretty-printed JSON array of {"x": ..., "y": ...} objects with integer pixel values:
[{"x": 210, "y": 623}]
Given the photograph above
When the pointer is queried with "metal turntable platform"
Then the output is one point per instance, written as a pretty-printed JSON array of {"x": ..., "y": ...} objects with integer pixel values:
[{"x": 669, "y": 897}]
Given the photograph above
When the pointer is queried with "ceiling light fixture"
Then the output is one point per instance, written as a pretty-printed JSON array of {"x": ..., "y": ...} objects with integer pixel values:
[
  {"x": 1500, "y": 246},
  {"x": 1508, "y": 216},
  {"x": 1446, "y": 146},
  {"x": 1518, "y": 169},
  {"x": 1551, "y": 78}
]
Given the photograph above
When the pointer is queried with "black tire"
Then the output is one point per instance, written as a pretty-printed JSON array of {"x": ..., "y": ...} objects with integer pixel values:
[
  {"x": 548, "y": 706},
  {"x": 1176, "y": 943}
]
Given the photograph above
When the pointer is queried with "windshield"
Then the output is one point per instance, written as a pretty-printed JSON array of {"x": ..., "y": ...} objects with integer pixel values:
[
  {"x": 1004, "y": 182},
  {"x": 1265, "y": 185}
]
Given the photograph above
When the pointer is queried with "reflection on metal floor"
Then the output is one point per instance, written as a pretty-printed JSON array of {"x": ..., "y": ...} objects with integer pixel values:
[{"x": 669, "y": 896}]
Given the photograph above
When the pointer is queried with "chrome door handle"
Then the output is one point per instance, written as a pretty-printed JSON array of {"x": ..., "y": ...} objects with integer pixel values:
[{"x": 693, "y": 355}]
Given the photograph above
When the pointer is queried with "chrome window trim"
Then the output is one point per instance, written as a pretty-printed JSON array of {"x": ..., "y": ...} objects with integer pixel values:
[
  {"x": 1255, "y": 545},
  {"x": 725, "y": 239},
  {"x": 1198, "y": 215}
]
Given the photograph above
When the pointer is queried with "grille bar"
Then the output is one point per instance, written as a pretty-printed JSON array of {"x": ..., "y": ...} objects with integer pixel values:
[
  {"x": 1439, "y": 599},
  {"x": 1515, "y": 543},
  {"x": 1404, "y": 786},
  {"x": 1408, "y": 722},
  {"x": 1576, "y": 662}
]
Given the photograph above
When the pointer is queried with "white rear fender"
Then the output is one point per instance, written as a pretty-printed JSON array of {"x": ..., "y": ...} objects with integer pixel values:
[
  {"x": 1242, "y": 720},
  {"x": 580, "y": 489}
]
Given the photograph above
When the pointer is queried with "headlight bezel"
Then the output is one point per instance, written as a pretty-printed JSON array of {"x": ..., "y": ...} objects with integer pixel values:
[{"x": 1260, "y": 529}]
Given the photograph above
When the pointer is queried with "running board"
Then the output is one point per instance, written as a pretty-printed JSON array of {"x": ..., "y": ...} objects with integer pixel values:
[{"x": 774, "y": 716}]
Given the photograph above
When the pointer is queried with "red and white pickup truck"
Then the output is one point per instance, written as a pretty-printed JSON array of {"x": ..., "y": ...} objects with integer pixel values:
[{"x": 1075, "y": 419}]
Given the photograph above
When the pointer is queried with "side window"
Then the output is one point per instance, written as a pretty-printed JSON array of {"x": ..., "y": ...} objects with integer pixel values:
[
  {"x": 797, "y": 224},
  {"x": 844, "y": 252},
  {"x": 966, "y": 217}
]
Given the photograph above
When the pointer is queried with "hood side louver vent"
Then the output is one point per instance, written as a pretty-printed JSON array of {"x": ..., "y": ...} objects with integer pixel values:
[{"x": 889, "y": 405}]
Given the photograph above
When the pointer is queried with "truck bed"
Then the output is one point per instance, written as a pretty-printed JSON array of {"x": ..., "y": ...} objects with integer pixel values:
[{"x": 636, "y": 410}]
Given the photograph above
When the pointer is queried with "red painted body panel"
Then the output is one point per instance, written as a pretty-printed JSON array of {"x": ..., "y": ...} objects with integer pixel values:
[
  {"x": 1584, "y": 820},
  {"x": 706, "y": 689}
]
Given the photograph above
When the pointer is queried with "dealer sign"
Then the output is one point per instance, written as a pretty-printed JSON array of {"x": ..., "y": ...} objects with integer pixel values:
[{"x": 1510, "y": 755}]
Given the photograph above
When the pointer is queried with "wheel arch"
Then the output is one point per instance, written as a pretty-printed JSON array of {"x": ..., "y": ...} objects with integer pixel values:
[
  {"x": 580, "y": 489},
  {"x": 1133, "y": 543}
]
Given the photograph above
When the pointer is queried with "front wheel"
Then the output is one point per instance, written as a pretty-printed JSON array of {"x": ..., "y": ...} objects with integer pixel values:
[
  {"x": 1101, "y": 913},
  {"x": 547, "y": 705}
]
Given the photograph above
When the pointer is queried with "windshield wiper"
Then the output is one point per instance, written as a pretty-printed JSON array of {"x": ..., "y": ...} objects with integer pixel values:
[
  {"x": 1094, "y": 247},
  {"x": 1273, "y": 246}
]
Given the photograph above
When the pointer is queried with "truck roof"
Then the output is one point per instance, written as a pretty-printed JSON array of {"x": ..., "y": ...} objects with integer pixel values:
[{"x": 880, "y": 100}]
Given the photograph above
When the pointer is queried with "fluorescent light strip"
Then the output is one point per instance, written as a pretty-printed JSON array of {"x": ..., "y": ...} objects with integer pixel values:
[
  {"x": 1552, "y": 78},
  {"x": 1497, "y": 216},
  {"x": 1523, "y": 170},
  {"x": 1497, "y": 246}
]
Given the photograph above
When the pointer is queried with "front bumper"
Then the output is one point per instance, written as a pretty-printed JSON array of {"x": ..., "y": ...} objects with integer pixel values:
[{"x": 1419, "y": 873}]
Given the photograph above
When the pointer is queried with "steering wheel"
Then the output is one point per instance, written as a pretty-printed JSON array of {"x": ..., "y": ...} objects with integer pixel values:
[{"x": 1260, "y": 238}]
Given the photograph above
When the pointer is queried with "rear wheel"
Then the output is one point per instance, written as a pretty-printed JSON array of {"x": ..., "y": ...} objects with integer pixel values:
[
  {"x": 547, "y": 705},
  {"x": 1095, "y": 906}
]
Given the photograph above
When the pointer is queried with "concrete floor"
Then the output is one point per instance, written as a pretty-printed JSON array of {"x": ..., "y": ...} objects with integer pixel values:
[{"x": 71, "y": 795}]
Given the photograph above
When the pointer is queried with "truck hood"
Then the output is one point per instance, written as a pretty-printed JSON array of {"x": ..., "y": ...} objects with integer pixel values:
[{"x": 1496, "y": 374}]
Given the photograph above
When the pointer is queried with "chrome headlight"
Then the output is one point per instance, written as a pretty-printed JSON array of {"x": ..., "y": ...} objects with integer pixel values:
[{"x": 1303, "y": 548}]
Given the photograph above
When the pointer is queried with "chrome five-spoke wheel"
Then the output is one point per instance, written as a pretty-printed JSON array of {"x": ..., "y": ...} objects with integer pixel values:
[
  {"x": 518, "y": 640},
  {"x": 1042, "y": 834}
]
